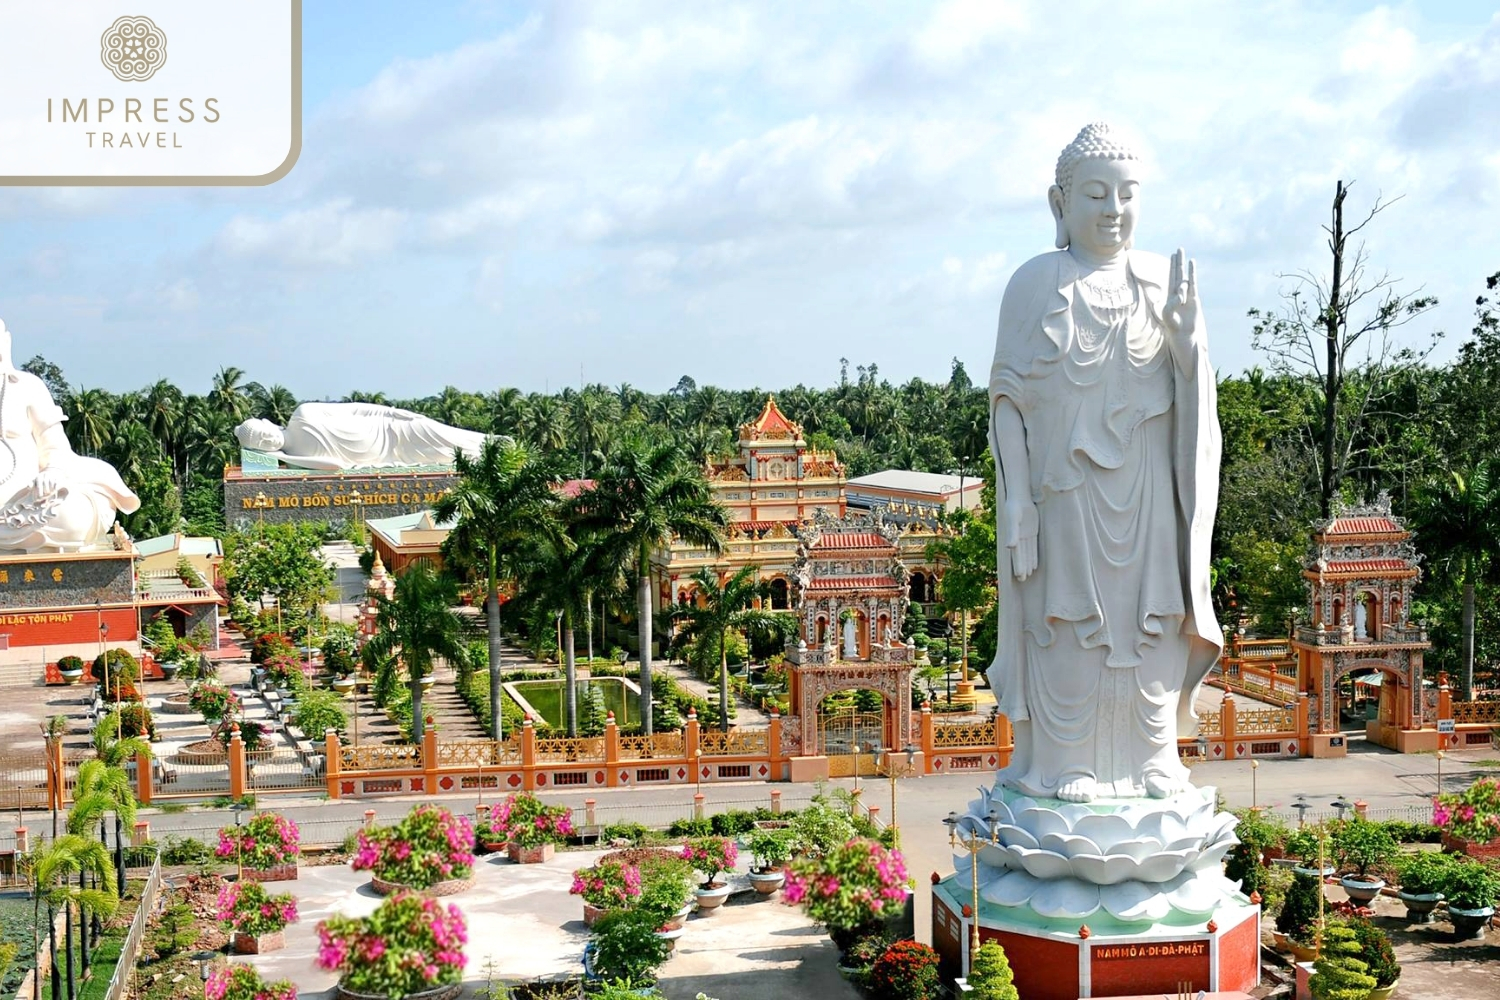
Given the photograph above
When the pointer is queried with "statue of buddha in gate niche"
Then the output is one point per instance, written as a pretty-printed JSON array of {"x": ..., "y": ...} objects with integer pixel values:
[
  {"x": 51, "y": 500},
  {"x": 1104, "y": 427}
]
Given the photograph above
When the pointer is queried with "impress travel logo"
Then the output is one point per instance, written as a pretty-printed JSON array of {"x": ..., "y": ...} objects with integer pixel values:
[{"x": 96, "y": 100}]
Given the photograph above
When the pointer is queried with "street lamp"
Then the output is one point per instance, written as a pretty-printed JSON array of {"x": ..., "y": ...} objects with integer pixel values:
[
  {"x": 855, "y": 748},
  {"x": 973, "y": 845},
  {"x": 1341, "y": 805},
  {"x": 261, "y": 503},
  {"x": 203, "y": 959},
  {"x": 1254, "y": 798},
  {"x": 239, "y": 867},
  {"x": 1440, "y": 771},
  {"x": 893, "y": 770},
  {"x": 1302, "y": 807}
]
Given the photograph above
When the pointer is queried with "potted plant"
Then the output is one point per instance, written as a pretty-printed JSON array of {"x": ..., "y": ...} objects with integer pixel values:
[
  {"x": 1379, "y": 957},
  {"x": 1299, "y": 911},
  {"x": 1472, "y": 888},
  {"x": 241, "y": 982},
  {"x": 254, "y": 918},
  {"x": 626, "y": 946},
  {"x": 606, "y": 886},
  {"x": 1303, "y": 851},
  {"x": 1339, "y": 973},
  {"x": 530, "y": 827},
  {"x": 666, "y": 888},
  {"x": 710, "y": 856},
  {"x": 213, "y": 701},
  {"x": 907, "y": 971},
  {"x": 861, "y": 957},
  {"x": 1362, "y": 845},
  {"x": 266, "y": 848},
  {"x": 429, "y": 850},
  {"x": 1422, "y": 876},
  {"x": 410, "y": 948},
  {"x": 71, "y": 668},
  {"x": 851, "y": 891},
  {"x": 771, "y": 850},
  {"x": 1470, "y": 819}
]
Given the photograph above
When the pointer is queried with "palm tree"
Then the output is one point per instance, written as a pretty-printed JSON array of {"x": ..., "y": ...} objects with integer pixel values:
[
  {"x": 54, "y": 866},
  {"x": 102, "y": 789},
  {"x": 545, "y": 424},
  {"x": 418, "y": 624},
  {"x": 1459, "y": 522},
  {"x": 88, "y": 419},
  {"x": 643, "y": 499},
  {"x": 562, "y": 570},
  {"x": 274, "y": 403},
  {"x": 728, "y": 605},
  {"x": 501, "y": 500}
]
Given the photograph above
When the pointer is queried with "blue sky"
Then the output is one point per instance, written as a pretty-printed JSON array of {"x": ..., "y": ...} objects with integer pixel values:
[{"x": 515, "y": 194}]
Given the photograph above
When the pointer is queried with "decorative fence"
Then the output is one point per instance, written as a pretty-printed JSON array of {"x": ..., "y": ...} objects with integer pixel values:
[
  {"x": 1233, "y": 733},
  {"x": 695, "y": 756},
  {"x": 130, "y": 950}
]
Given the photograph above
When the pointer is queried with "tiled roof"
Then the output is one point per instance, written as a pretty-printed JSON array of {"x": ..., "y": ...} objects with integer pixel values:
[
  {"x": 851, "y": 583},
  {"x": 1366, "y": 565},
  {"x": 770, "y": 422},
  {"x": 573, "y": 487},
  {"x": 1362, "y": 526},
  {"x": 853, "y": 540}
]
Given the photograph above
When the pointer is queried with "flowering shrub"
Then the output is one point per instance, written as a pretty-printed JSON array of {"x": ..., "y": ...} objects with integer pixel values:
[
  {"x": 247, "y": 907},
  {"x": 1472, "y": 814},
  {"x": 526, "y": 821},
  {"x": 409, "y": 944},
  {"x": 428, "y": 846},
  {"x": 252, "y": 734},
  {"x": 608, "y": 885},
  {"x": 214, "y": 702},
  {"x": 242, "y": 982},
  {"x": 853, "y": 886},
  {"x": 907, "y": 971},
  {"x": 267, "y": 841},
  {"x": 711, "y": 855}
]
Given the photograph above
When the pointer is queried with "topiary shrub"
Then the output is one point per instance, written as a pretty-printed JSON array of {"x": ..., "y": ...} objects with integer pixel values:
[
  {"x": 135, "y": 720},
  {"x": 1375, "y": 948},
  {"x": 1338, "y": 974},
  {"x": 1300, "y": 910},
  {"x": 124, "y": 671},
  {"x": 990, "y": 975}
]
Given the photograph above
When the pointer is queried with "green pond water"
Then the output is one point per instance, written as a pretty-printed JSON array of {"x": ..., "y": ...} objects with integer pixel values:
[{"x": 547, "y": 698}]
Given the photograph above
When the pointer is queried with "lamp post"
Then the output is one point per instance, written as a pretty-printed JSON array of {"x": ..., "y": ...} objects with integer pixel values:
[
  {"x": 1302, "y": 807},
  {"x": 261, "y": 503},
  {"x": 55, "y": 779},
  {"x": 239, "y": 867},
  {"x": 356, "y": 501},
  {"x": 855, "y": 748},
  {"x": 973, "y": 845},
  {"x": 892, "y": 769},
  {"x": 1342, "y": 806},
  {"x": 204, "y": 960},
  {"x": 1254, "y": 798},
  {"x": 1440, "y": 771}
]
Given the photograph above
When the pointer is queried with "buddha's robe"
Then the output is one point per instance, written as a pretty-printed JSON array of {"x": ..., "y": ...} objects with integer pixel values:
[{"x": 1102, "y": 649}]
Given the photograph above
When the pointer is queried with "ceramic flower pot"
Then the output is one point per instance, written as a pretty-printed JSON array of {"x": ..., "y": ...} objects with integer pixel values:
[
  {"x": 168, "y": 670},
  {"x": 1384, "y": 992},
  {"x": 767, "y": 883},
  {"x": 1470, "y": 924},
  {"x": 1303, "y": 953},
  {"x": 1419, "y": 906},
  {"x": 679, "y": 918},
  {"x": 1282, "y": 944},
  {"x": 257, "y": 944},
  {"x": 1362, "y": 890},
  {"x": 592, "y": 914},
  {"x": 712, "y": 897},
  {"x": 344, "y": 685},
  {"x": 670, "y": 937},
  {"x": 276, "y": 873},
  {"x": 71, "y": 676},
  {"x": 531, "y": 855}
]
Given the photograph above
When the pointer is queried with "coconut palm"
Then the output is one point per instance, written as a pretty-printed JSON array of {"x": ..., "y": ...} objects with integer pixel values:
[
  {"x": 500, "y": 501},
  {"x": 721, "y": 606},
  {"x": 418, "y": 625},
  {"x": 54, "y": 868},
  {"x": 1458, "y": 522},
  {"x": 229, "y": 395},
  {"x": 643, "y": 499}
]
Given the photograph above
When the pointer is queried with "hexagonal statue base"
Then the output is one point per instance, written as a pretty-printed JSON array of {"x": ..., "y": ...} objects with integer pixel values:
[{"x": 1057, "y": 959}]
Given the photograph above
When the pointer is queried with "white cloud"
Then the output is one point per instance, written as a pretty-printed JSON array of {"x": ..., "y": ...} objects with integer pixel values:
[{"x": 333, "y": 234}]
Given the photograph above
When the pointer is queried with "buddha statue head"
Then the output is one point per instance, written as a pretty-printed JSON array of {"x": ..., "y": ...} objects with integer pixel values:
[
  {"x": 260, "y": 435},
  {"x": 1095, "y": 199}
]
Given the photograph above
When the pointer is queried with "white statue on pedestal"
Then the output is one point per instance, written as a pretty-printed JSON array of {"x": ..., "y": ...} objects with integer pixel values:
[
  {"x": 51, "y": 500},
  {"x": 1104, "y": 426},
  {"x": 1106, "y": 438},
  {"x": 333, "y": 436}
]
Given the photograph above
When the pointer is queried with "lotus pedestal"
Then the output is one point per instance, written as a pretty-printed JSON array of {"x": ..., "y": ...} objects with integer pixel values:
[{"x": 1114, "y": 898}]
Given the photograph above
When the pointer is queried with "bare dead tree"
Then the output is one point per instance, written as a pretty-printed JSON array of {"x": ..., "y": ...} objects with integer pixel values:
[{"x": 1331, "y": 325}]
